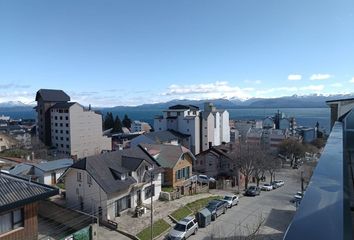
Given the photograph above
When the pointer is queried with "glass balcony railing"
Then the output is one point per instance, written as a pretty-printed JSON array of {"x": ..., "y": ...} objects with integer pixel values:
[{"x": 324, "y": 212}]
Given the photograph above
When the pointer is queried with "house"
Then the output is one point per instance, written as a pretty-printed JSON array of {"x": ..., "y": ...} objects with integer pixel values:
[
  {"x": 44, "y": 172},
  {"x": 162, "y": 137},
  {"x": 7, "y": 142},
  {"x": 177, "y": 162},
  {"x": 219, "y": 161},
  {"x": 111, "y": 183},
  {"x": 19, "y": 207}
]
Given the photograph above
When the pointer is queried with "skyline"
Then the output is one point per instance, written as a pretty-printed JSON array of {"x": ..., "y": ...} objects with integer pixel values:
[{"x": 127, "y": 53}]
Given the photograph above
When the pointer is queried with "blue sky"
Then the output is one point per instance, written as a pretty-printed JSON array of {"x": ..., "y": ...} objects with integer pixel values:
[{"x": 108, "y": 53}]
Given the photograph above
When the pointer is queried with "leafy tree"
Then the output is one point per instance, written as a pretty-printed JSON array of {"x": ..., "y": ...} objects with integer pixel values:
[
  {"x": 127, "y": 122},
  {"x": 292, "y": 148},
  {"x": 117, "y": 126},
  {"x": 108, "y": 121}
]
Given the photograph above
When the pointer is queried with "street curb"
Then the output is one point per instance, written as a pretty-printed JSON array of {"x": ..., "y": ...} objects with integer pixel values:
[
  {"x": 127, "y": 234},
  {"x": 172, "y": 218}
]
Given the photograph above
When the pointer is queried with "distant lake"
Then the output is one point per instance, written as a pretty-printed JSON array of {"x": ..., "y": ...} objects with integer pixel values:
[{"x": 304, "y": 116}]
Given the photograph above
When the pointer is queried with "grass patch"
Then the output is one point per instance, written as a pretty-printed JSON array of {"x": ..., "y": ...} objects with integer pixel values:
[
  {"x": 200, "y": 203},
  {"x": 192, "y": 208},
  {"x": 61, "y": 185},
  {"x": 158, "y": 227},
  {"x": 167, "y": 189},
  {"x": 181, "y": 213}
]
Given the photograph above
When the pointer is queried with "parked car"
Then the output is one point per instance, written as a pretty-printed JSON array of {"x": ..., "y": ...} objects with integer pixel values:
[
  {"x": 183, "y": 229},
  {"x": 253, "y": 191},
  {"x": 216, "y": 207},
  {"x": 299, "y": 195},
  {"x": 231, "y": 200},
  {"x": 267, "y": 187},
  {"x": 275, "y": 185},
  {"x": 279, "y": 182},
  {"x": 204, "y": 179}
]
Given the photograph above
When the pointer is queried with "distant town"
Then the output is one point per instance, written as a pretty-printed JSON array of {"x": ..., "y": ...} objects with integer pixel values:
[{"x": 78, "y": 172}]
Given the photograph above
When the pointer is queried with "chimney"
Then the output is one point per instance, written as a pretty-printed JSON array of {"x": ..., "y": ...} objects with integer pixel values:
[{"x": 210, "y": 145}]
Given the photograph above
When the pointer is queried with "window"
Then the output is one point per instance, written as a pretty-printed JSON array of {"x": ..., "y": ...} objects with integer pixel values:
[
  {"x": 122, "y": 204},
  {"x": 67, "y": 146},
  {"x": 187, "y": 121},
  {"x": 66, "y": 118},
  {"x": 67, "y": 131},
  {"x": 61, "y": 124},
  {"x": 11, "y": 220},
  {"x": 56, "y": 118},
  {"x": 62, "y": 145},
  {"x": 56, "y": 124},
  {"x": 61, "y": 138},
  {"x": 79, "y": 177},
  {"x": 61, "y": 131},
  {"x": 150, "y": 191},
  {"x": 178, "y": 113},
  {"x": 67, "y": 139},
  {"x": 56, "y": 137},
  {"x": 89, "y": 180},
  {"x": 56, "y": 131},
  {"x": 187, "y": 172},
  {"x": 67, "y": 125},
  {"x": 61, "y": 118}
]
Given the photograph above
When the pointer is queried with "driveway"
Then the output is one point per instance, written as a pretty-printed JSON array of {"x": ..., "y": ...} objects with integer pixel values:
[{"x": 272, "y": 208}]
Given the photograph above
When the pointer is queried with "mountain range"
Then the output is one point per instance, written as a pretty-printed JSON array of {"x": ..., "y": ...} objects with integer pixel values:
[{"x": 295, "y": 101}]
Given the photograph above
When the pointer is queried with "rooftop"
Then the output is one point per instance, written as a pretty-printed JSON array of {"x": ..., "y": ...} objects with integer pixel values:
[
  {"x": 52, "y": 95},
  {"x": 16, "y": 192}
]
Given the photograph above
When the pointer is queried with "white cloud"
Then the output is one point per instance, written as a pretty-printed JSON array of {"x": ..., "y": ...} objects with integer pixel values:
[
  {"x": 336, "y": 85},
  {"x": 320, "y": 76},
  {"x": 253, "y": 81},
  {"x": 315, "y": 88},
  {"x": 219, "y": 89},
  {"x": 351, "y": 80},
  {"x": 294, "y": 77}
]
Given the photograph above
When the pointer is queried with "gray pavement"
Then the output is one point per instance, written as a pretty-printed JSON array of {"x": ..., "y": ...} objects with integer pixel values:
[{"x": 272, "y": 208}]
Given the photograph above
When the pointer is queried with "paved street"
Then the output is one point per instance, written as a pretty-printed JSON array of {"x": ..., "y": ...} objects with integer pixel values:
[{"x": 274, "y": 207}]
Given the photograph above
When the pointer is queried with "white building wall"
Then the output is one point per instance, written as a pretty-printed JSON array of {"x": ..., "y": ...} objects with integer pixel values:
[
  {"x": 160, "y": 124},
  {"x": 86, "y": 133},
  {"x": 92, "y": 195},
  {"x": 225, "y": 127},
  {"x": 216, "y": 141}
]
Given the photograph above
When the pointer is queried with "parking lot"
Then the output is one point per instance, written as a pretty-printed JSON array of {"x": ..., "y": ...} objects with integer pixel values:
[{"x": 272, "y": 208}]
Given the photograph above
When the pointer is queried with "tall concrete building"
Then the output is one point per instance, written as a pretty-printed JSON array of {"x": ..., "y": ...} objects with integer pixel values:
[
  {"x": 46, "y": 98},
  {"x": 207, "y": 128},
  {"x": 72, "y": 129},
  {"x": 215, "y": 126}
]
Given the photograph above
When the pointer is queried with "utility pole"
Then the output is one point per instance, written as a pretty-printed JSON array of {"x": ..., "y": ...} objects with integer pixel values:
[
  {"x": 302, "y": 183},
  {"x": 152, "y": 195}
]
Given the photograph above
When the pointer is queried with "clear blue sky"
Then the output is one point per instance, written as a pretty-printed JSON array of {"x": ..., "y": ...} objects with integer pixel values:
[{"x": 131, "y": 52}]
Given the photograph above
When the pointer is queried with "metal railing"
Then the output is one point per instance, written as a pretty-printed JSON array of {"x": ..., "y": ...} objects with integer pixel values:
[{"x": 324, "y": 212}]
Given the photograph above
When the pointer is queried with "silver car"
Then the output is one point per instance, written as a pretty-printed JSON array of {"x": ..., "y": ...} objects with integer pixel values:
[
  {"x": 183, "y": 229},
  {"x": 231, "y": 200}
]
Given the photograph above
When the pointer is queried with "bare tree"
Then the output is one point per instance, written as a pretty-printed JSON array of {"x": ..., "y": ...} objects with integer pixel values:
[
  {"x": 273, "y": 164},
  {"x": 292, "y": 148}
]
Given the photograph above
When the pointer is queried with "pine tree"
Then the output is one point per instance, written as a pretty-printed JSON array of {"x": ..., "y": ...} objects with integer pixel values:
[
  {"x": 126, "y": 121},
  {"x": 117, "y": 126},
  {"x": 108, "y": 121}
]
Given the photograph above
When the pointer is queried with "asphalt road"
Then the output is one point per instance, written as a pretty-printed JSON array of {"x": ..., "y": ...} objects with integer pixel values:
[{"x": 272, "y": 208}]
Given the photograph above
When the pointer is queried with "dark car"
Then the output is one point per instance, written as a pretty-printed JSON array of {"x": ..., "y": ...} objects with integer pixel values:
[
  {"x": 253, "y": 191},
  {"x": 216, "y": 207}
]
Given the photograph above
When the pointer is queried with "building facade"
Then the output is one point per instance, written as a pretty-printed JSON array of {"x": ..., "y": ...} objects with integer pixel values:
[
  {"x": 138, "y": 126},
  {"x": 72, "y": 129}
]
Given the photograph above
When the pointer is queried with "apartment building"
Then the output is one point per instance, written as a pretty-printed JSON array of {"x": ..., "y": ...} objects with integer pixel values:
[
  {"x": 74, "y": 130},
  {"x": 183, "y": 119},
  {"x": 77, "y": 131},
  {"x": 207, "y": 128},
  {"x": 138, "y": 126},
  {"x": 46, "y": 98},
  {"x": 215, "y": 126}
]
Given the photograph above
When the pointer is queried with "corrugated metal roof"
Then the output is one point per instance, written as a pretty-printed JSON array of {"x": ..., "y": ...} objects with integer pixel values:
[
  {"x": 55, "y": 164},
  {"x": 15, "y": 191}
]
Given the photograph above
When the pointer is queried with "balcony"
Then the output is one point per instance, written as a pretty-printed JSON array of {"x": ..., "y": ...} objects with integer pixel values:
[{"x": 325, "y": 210}]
